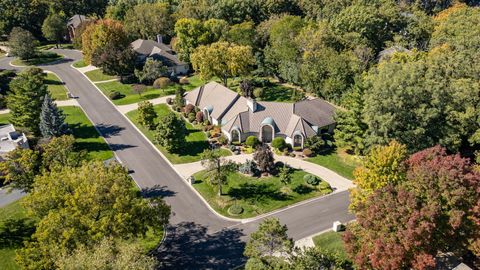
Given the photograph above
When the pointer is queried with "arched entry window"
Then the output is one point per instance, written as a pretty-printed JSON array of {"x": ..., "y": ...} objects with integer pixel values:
[
  {"x": 297, "y": 140},
  {"x": 235, "y": 135},
  {"x": 267, "y": 133}
]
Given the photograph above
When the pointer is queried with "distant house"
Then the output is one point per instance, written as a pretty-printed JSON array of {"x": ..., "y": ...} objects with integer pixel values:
[
  {"x": 10, "y": 139},
  {"x": 73, "y": 24},
  {"x": 162, "y": 52},
  {"x": 241, "y": 117}
]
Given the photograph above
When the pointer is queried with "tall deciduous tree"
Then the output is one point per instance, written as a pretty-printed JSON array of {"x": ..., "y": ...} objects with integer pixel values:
[
  {"x": 52, "y": 120},
  {"x": 25, "y": 101},
  {"x": 217, "y": 168},
  {"x": 188, "y": 34},
  {"x": 115, "y": 60},
  {"x": 60, "y": 152},
  {"x": 83, "y": 205},
  {"x": 54, "y": 27},
  {"x": 22, "y": 43},
  {"x": 152, "y": 70},
  {"x": 223, "y": 60},
  {"x": 20, "y": 168},
  {"x": 146, "y": 114},
  {"x": 171, "y": 132},
  {"x": 148, "y": 20}
]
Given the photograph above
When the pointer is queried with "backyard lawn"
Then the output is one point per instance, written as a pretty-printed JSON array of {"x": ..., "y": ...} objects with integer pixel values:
[
  {"x": 79, "y": 64},
  {"x": 196, "y": 139},
  {"x": 97, "y": 75},
  {"x": 256, "y": 195},
  {"x": 56, "y": 88},
  {"x": 128, "y": 96},
  {"x": 331, "y": 241},
  {"x": 339, "y": 162},
  {"x": 43, "y": 58}
]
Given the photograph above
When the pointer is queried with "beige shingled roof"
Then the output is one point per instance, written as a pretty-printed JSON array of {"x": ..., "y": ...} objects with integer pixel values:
[{"x": 213, "y": 95}]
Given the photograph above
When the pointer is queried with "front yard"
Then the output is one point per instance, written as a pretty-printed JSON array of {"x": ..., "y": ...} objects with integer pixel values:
[
  {"x": 44, "y": 57},
  {"x": 337, "y": 161},
  {"x": 79, "y": 64},
  {"x": 196, "y": 139},
  {"x": 331, "y": 242},
  {"x": 97, "y": 76},
  {"x": 56, "y": 88},
  {"x": 256, "y": 195}
]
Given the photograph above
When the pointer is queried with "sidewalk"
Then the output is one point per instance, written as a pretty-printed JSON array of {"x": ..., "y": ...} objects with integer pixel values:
[
  {"x": 130, "y": 107},
  {"x": 339, "y": 183},
  {"x": 86, "y": 69}
]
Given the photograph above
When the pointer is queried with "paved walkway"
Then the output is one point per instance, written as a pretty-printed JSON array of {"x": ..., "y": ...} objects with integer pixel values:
[
  {"x": 86, "y": 69},
  {"x": 337, "y": 182},
  {"x": 130, "y": 107}
]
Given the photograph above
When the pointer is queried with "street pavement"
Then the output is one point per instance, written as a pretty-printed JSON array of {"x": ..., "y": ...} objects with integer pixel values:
[{"x": 197, "y": 238}]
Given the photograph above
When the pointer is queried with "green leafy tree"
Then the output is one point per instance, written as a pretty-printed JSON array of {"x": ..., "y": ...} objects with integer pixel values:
[
  {"x": 215, "y": 29},
  {"x": 188, "y": 34},
  {"x": 107, "y": 254},
  {"x": 217, "y": 168},
  {"x": 54, "y": 27},
  {"x": 196, "y": 9},
  {"x": 152, "y": 70},
  {"x": 317, "y": 258},
  {"x": 81, "y": 206},
  {"x": 382, "y": 166},
  {"x": 20, "y": 168},
  {"x": 52, "y": 120},
  {"x": 223, "y": 60},
  {"x": 179, "y": 99},
  {"x": 25, "y": 101},
  {"x": 148, "y": 20},
  {"x": 22, "y": 43},
  {"x": 60, "y": 152},
  {"x": 115, "y": 60},
  {"x": 285, "y": 175},
  {"x": 263, "y": 156},
  {"x": 270, "y": 239},
  {"x": 26, "y": 14},
  {"x": 171, "y": 132},
  {"x": 146, "y": 114},
  {"x": 242, "y": 34}
]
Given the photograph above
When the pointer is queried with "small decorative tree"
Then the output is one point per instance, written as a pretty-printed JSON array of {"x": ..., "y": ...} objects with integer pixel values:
[
  {"x": 179, "y": 101},
  {"x": 246, "y": 86},
  {"x": 146, "y": 114},
  {"x": 285, "y": 175},
  {"x": 263, "y": 156},
  {"x": 138, "y": 89},
  {"x": 152, "y": 70},
  {"x": 53, "y": 28},
  {"x": 171, "y": 132},
  {"x": 271, "y": 238},
  {"x": 52, "y": 120},
  {"x": 217, "y": 168}
]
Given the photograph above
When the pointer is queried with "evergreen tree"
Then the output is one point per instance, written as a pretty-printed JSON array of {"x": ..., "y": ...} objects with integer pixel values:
[
  {"x": 171, "y": 132},
  {"x": 25, "y": 100},
  {"x": 179, "y": 100},
  {"x": 263, "y": 156},
  {"x": 51, "y": 119}
]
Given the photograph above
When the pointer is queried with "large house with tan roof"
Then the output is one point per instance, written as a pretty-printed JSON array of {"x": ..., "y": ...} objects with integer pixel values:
[{"x": 240, "y": 117}]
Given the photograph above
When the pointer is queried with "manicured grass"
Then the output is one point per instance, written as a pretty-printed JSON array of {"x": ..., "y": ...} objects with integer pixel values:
[
  {"x": 332, "y": 242},
  {"x": 15, "y": 227},
  {"x": 5, "y": 118},
  {"x": 341, "y": 163},
  {"x": 280, "y": 93},
  {"x": 51, "y": 46},
  {"x": 42, "y": 58},
  {"x": 86, "y": 136},
  {"x": 129, "y": 96},
  {"x": 79, "y": 64},
  {"x": 97, "y": 75},
  {"x": 56, "y": 88},
  {"x": 256, "y": 195},
  {"x": 196, "y": 139}
]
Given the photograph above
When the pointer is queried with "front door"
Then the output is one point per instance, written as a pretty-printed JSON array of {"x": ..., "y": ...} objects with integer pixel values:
[{"x": 267, "y": 134}]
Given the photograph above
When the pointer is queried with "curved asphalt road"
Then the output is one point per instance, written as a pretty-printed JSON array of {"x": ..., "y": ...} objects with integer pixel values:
[{"x": 197, "y": 238}]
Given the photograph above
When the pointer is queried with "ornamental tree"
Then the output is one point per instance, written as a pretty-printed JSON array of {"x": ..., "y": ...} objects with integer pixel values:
[
  {"x": 152, "y": 70},
  {"x": 146, "y": 114},
  {"x": 171, "y": 132},
  {"x": 263, "y": 156},
  {"x": 217, "y": 168}
]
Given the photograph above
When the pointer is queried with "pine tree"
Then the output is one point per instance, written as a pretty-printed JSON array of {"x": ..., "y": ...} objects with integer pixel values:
[{"x": 51, "y": 119}]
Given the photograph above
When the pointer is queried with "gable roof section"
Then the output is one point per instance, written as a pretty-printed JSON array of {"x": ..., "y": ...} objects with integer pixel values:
[
  {"x": 213, "y": 94},
  {"x": 156, "y": 50},
  {"x": 317, "y": 112},
  {"x": 76, "y": 20},
  {"x": 279, "y": 112}
]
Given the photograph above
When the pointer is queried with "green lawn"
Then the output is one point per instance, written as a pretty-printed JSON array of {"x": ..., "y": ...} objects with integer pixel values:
[
  {"x": 129, "y": 96},
  {"x": 86, "y": 136},
  {"x": 15, "y": 227},
  {"x": 51, "y": 46},
  {"x": 97, "y": 75},
  {"x": 79, "y": 64},
  {"x": 56, "y": 88},
  {"x": 5, "y": 118},
  {"x": 342, "y": 164},
  {"x": 256, "y": 195},
  {"x": 42, "y": 58},
  {"x": 280, "y": 93},
  {"x": 196, "y": 139},
  {"x": 332, "y": 242}
]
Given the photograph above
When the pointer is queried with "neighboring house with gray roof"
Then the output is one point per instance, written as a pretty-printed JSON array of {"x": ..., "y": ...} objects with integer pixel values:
[
  {"x": 241, "y": 117},
  {"x": 10, "y": 139},
  {"x": 161, "y": 52},
  {"x": 73, "y": 23}
]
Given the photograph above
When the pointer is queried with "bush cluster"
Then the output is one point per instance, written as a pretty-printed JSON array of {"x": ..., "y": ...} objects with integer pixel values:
[
  {"x": 252, "y": 141},
  {"x": 162, "y": 83},
  {"x": 311, "y": 179}
]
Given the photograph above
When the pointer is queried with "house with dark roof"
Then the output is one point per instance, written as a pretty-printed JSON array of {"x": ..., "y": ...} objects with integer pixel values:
[
  {"x": 10, "y": 139},
  {"x": 73, "y": 23},
  {"x": 161, "y": 52},
  {"x": 240, "y": 117}
]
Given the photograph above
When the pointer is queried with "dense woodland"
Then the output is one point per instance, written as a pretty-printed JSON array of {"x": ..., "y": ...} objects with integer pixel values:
[{"x": 405, "y": 75}]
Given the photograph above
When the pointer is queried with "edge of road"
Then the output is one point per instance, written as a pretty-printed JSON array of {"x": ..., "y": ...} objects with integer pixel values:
[{"x": 243, "y": 221}]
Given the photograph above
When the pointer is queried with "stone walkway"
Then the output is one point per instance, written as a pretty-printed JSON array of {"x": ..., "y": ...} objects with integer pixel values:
[
  {"x": 130, "y": 107},
  {"x": 337, "y": 182}
]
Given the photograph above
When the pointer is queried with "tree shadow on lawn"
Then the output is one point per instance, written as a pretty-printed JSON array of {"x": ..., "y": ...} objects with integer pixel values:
[
  {"x": 82, "y": 131},
  {"x": 189, "y": 246},
  {"x": 53, "y": 82},
  {"x": 257, "y": 192},
  {"x": 193, "y": 148},
  {"x": 14, "y": 231}
]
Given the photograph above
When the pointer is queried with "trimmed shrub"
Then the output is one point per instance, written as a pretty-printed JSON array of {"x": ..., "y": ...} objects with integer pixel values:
[
  {"x": 248, "y": 167},
  {"x": 298, "y": 148},
  {"x": 279, "y": 143},
  {"x": 191, "y": 117},
  {"x": 184, "y": 80},
  {"x": 169, "y": 101},
  {"x": 258, "y": 93},
  {"x": 235, "y": 210},
  {"x": 114, "y": 95},
  {"x": 311, "y": 179},
  {"x": 199, "y": 117},
  {"x": 232, "y": 148},
  {"x": 189, "y": 109},
  {"x": 162, "y": 82},
  {"x": 315, "y": 143},
  {"x": 325, "y": 187},
  {"x": 252, "y": 141},
  {"x": 222, "y": 140},
  {"x": 307, "y": 152}
]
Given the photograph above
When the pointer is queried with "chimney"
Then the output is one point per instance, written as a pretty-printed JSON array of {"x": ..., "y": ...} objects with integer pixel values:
[
  {"x": 159, "y": 39},
  {"x": 252, "y": 104}
]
